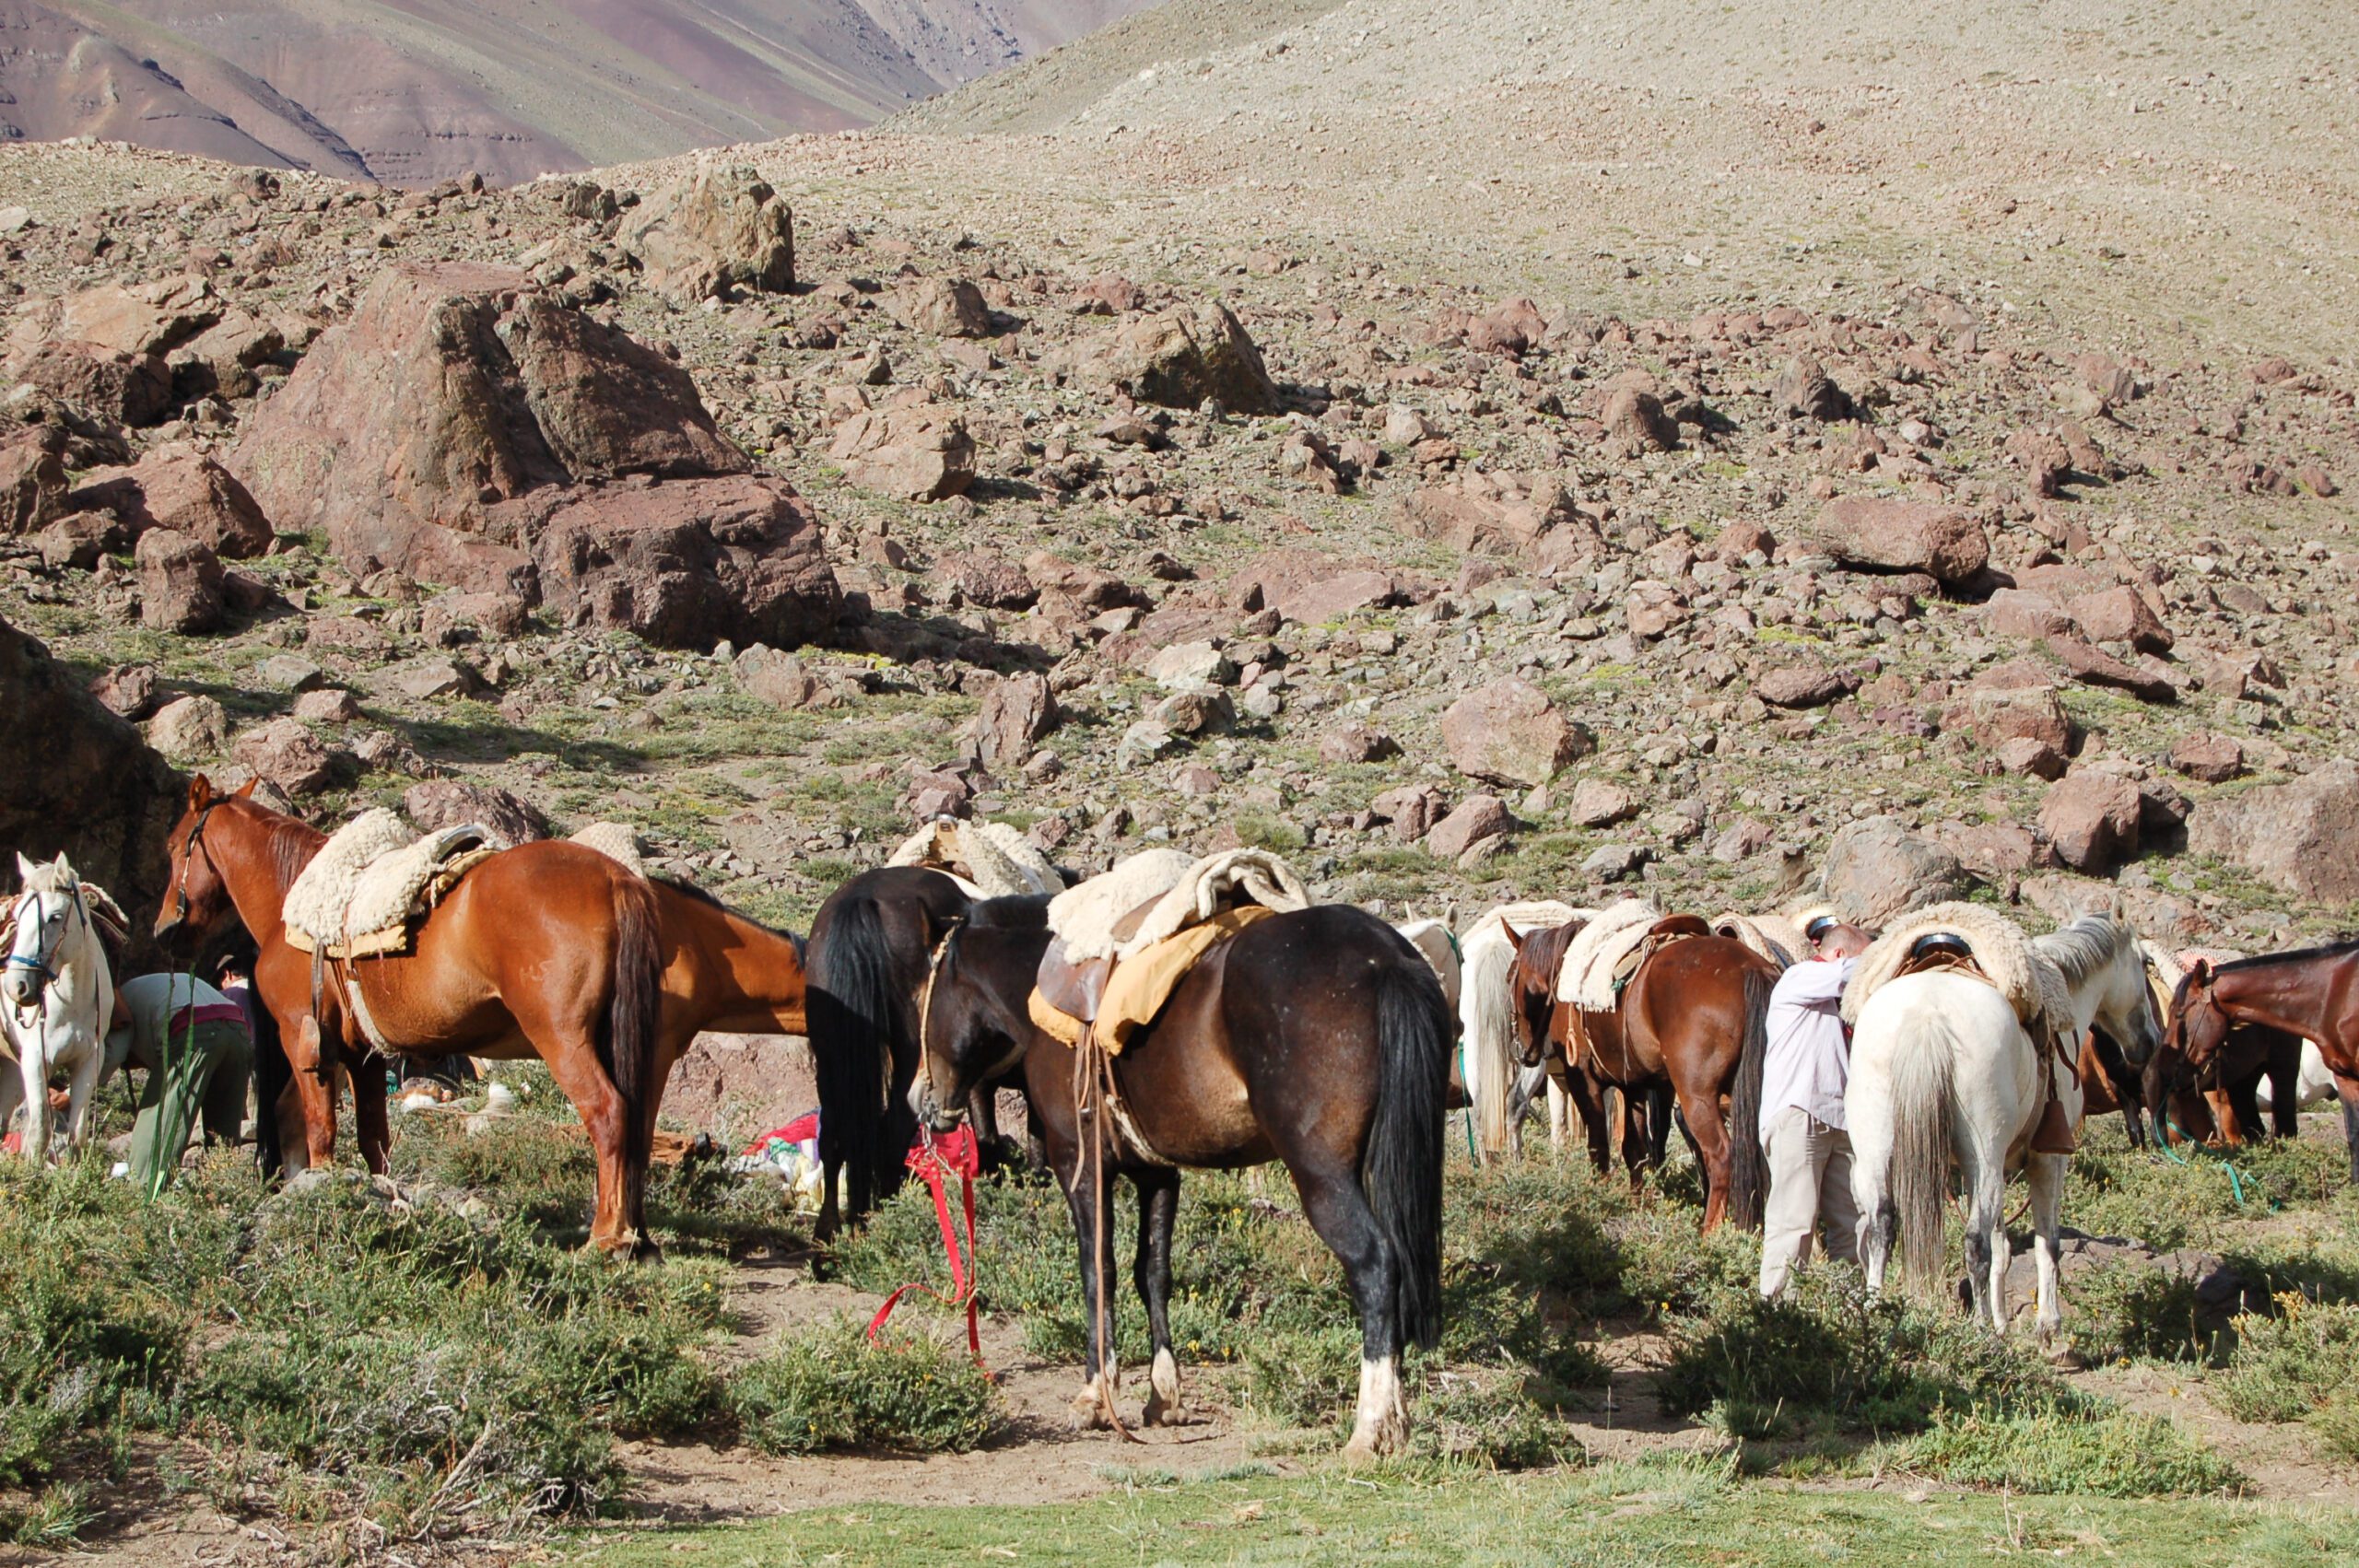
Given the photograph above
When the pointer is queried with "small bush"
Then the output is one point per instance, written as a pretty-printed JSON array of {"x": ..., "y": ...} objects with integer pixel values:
[
  {"x": 2335, "y": 1423},
  {"x": 2058, "y": 1450},
  {"x": 1300, "y": 1378},
  {"x": 836, "y": 1388},
  {"x": 1491, "y": 1420},
  {"x": 2135, "y": 1310},
  {"x": 2286, "y": 1364}
]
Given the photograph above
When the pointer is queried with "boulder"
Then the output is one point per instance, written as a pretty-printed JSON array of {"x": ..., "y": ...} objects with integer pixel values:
[
  {"x": 185, "y": 490},
  {"x": 2301, "y": 837},
  {"x": 1804, "y": 389},
  {"x": 691, "y": 562},
  {"x": 2091, "y": 820},
  {"x": 2121, "y": 614},
  {"x": 1636, "y": 424},
  {"x": 2031, "y": 756},
  {"x": 1803, "y": 686},
  {"x": 1411, "y": 809},
  {"x": 1018, "y": 712},
  {"x": 147, "y": 318},
  {"x": 946, "y": 307},
  {"x": 180, "y": 583},
  {"x": 915, "y": 453},
  {"x": 1509, "y": 733},
  {"x": 720, "y": 228},
  {"x": 438, "y": 429},
  {"x": 329, "y": 705},
  {"x": 1185, "y": 664},
  {"x": 1879, "y": 533},
  {"x": 2208, "y": 758},
  {"x": 438, "y": 804},
  {"x": 283, "y": 753},
  {"x": 1877, "y": 870},
  {"x": 129, "y": 389},
  {"x": 128, "y": 691},
  {"x": 2092, "y": 665},
  {"x": 780, "y": 679},
  {"x": 1993, "y": 717},
  {"x": 189, "y": 727},
  {"x": 988, "y": 579},
  {"x": 1597, "y": 803},
  {"x": 1179, "y": 358},
  {"x": 33, "y": 482},
  {"x": 1477, "y": 818},
  {"x": 82, "y": 781},
  {"x": 1357, "y": 743},
  {"x": 1530, "y": 517}
]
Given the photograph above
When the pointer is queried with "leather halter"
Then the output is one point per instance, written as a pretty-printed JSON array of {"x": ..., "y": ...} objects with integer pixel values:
[
  {"x": 188, "y": 859},
  {"x": 925, "y": 1023},
  {"x": 39, "y": 963}
]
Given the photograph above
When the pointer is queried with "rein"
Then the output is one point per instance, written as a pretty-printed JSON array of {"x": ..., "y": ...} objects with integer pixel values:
[
  {"x": 1093, "y": 1093},
  {"x": 40, "y": 963}
]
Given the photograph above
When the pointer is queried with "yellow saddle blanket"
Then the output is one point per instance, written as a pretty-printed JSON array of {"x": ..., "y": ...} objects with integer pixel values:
[{"x": 1142, "y": 983}]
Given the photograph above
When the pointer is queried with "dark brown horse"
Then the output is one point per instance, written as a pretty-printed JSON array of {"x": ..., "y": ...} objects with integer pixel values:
[
  {"x": 866, "y": 965},
  {"x": 548, "y": 950},
  {"x": 2312, "y": 994},
  {"x": 1318, "y": 1038},
  {"x": 1693, "y": 1017}
]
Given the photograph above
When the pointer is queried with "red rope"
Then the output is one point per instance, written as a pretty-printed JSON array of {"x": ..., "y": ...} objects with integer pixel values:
[{"x": 937, "y": 1160}]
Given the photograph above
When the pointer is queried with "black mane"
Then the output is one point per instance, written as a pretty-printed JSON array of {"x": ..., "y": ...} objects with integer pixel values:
[
  {"x": 1016, "y": 912},
  {"x": 2299, "y": 955},
  {"x": 688, "y": 889}
]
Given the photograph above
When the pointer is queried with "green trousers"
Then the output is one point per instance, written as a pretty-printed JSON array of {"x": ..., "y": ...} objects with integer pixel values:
[{"x": 208, "y": 1070}]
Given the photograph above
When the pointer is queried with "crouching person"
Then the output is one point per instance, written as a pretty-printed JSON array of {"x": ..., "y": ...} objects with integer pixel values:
[{"x": 199, "y": 1056}]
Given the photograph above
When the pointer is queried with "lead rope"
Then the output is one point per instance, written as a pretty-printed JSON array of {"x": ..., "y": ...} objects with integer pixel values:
[{"x": 1092, "y": 1084}]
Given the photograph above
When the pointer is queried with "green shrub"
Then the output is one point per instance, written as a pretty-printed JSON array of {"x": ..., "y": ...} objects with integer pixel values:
[
  {"x": 2136, "y": 1310},
  {"x": 1491, "y": 1419},
  {"x": 836, "y": 1388},
  {"x": 1300, "y": 1378},
  {"x": 2286, "y": 1364},
  {"x": 2060, "y": 1450},
  {"x": 2335, "y": 1423}
]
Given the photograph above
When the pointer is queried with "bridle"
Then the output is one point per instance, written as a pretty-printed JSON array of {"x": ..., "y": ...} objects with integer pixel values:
[
  {"x": 925, "y": 1023},
  {"x": 188, "y": 859},
  {"x": 40, "y": 962}
]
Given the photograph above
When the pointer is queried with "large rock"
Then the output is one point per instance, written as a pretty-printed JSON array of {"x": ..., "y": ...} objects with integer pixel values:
[
  {"x": 32, "y": 483},
  {"x": 723, "y": 227},
  {"x": 2121, "y": 614},
  {"x": 283, "y": 753},
  {"x": 1018, "y": 711},
  {"x": 691, "y": 562},
  {"x": 2301, "y": 838},
  {"x": 2091, "y": 820},
  {"x": 186, "y": 491},
  {"x": 188, "y": 729},
  {"x": 91, "y": 786},
  {"x": 946, "y": 306},
  {"x": 605, "y": 404},
  {"x": 1501, "y": 513},
  {"x": 144, "y": 319},
  {"x": 1478, "y": 817},
  {"x": 1509, "y": 733},
  {"x": 180, "y": 583},
  {"x": 1994, "y": 716},
  {"x": 1179, "y": 358},
  {"x": 1878, "y": 534},
  {"x": 1803, "y": 686},
  {"x": 1877, "y": 870},
  {"x": 130, "y": 389},
  {"x": 915, "y": 453},
  {"x": 438, "y": 804}
]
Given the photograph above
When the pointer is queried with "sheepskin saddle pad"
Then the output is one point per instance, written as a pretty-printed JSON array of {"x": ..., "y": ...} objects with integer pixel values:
[
  {"x": 363, "y": 891},
  {"x": 617, "y": 842},
  {"x": 1586, "y": 978},
  {"x": 1966, "y": 936},
  {"x": 1773, "y": 937},
  {"x": 988, "y": 859},
  {"x": 1157, "y": 912}
]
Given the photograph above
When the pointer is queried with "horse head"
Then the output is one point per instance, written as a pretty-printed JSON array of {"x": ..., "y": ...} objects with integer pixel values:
[
  {"x": 2198, "y": 1022},
  {"x": 41, "y": 921},
  {"x": 965, "y": 1036},
  {"x": 197, "y": 895},
  {"x": 1532, "y": 986}
]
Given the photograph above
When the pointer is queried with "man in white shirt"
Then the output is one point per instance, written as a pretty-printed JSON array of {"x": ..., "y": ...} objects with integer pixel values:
[{"x": 1804, "y": 1072}]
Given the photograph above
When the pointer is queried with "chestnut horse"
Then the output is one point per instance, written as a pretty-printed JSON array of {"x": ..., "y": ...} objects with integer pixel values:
[
  {"x": 548, "y": 950},
  {"x": 1317, "y": 1037},
  {"x": 1693, "y": 1016},
  {"x": 2313, "y": 993}
]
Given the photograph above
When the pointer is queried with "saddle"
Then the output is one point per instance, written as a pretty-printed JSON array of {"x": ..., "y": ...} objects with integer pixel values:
[
  {"x": 1946, "y": 950},
  {"x": 369, "y": 888},
  {"x": 1075, "y": 986}
]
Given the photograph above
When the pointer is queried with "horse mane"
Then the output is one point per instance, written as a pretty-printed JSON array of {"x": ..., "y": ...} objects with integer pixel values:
[
  {"x": 1015, "y": 912},
  {"x": 2298, "y": 956},
  {"x": 694, "y": 894},
  {"x": 2082, "y": 948},
  {"x": 1543, "y": 951}
]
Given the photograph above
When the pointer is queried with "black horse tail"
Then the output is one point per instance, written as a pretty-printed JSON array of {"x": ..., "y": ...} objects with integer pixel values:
[
  {"x": 273, "y": 1073},
  {"x": 1401, "y": 1169},
  {"x": 851, "y": 1010},
  {"x": 633, "y": 1050},
  {"x": 1748, "y": 1166}
]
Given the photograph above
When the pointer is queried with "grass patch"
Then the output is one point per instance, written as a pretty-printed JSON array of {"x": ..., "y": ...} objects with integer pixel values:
[
  {"x": 835, "y": 1389},
  {"x": 2057, "y": 1452}
]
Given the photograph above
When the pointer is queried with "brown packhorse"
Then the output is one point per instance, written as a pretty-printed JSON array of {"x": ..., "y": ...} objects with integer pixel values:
[
  {"x": 2313, "y": 993},
  {"x": 548, "y": 950},
  {"x": 1692, "y": 1016},
  {"x": 1318, "y": 1038}
]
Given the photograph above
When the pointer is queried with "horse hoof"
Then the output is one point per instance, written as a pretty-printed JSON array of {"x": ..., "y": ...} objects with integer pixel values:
[
  {"x": 1089, "y": 1411},
  {"x": 1160, "y": 1412}
]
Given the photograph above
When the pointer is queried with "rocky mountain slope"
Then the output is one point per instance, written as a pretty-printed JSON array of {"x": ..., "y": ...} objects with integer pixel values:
[
  {"x": 1248, "y": 478},
  {"x": 411, "y": 91}
]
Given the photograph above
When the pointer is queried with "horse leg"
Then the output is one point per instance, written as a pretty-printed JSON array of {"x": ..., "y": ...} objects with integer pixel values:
[
  {"x": 317, "y": 1089},
  {"x": 1560, "y": 1118},
  {"x": 1339, "y": 1212},
  {"x": 2346, "y": 1089},
  {"x": 1089, "y": 1195},
  {"x": 1633, "y": 1137},
  {"x": 369, "y": 1129},
  {"x": 1659, "y": 1124},
  {"x": 1871, "y": 1132},
  {"x": 1588, "y": 1098},
  {"x": 1158, "y": 1192},
  {"x": 2245, "y": 1098},
  {"x": 1986, "y": 1234},
  {"x": 1701, "y": 1102},
  {"x": 2046, "y": 1172},
  {"x": 2284, "y": 1086},
  {"x": 81, "y": 1081},
  {"x": 574, "y": 1064},
  {"x": 32, "y": 1064}
]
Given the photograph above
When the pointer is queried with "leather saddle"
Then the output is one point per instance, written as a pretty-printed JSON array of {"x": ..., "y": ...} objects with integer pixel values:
[
  {"x": 1940, "y": 950},
  {"x": 1076, "y": 988}
]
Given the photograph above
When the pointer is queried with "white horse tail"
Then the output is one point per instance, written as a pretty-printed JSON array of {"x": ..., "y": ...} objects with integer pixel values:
[
  {"x": 1924, "y": 1060},
  {"x": 1488, "y": 1041}
]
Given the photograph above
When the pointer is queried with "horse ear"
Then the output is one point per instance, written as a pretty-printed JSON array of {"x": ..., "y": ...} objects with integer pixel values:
[
  {"x": 245, "y": 791},
  {"x": 1515, "y": 938},
  {"x": 25, "y": 869},
  {"x": 200, "y": 793},
  {"x": 2200, "y": 972}
]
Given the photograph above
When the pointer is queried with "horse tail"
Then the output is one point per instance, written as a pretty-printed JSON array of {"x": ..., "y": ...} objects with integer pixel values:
[
  {"x": 1748, "y": 1166},
  {"x": 1400, "y": 1168},
  {"x": 634, "y": 1048},
  {"x": 273, "y": 1072},
  {"x": 1924, "y": 1060},
  {"x": 1488, "y": 1042},
  {"x": 850, "y": 1005}
]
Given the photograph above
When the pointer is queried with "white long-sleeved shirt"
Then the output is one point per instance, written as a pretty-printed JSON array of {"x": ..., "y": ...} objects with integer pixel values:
[{"x": 1808, "y": 1062}]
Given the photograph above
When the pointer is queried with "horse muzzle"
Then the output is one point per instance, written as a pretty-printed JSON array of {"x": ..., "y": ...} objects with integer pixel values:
[{"x": 932, "y": 1114}]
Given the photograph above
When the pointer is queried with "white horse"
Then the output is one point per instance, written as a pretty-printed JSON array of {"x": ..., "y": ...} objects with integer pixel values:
[
  {"x": 1498, "y": 1086},
  {"x": 56, "y": 995},
  {"x": 1941, "y": 1066},
  {"x": 2314, "y": 1085}
]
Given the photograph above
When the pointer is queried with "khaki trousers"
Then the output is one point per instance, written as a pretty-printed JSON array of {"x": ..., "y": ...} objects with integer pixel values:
[{"x": 1810, "y": 1183}]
